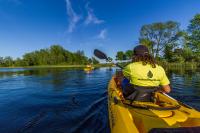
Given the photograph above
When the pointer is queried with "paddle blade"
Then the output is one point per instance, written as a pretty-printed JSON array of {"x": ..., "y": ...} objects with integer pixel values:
[{"x": 100, "y": 54}]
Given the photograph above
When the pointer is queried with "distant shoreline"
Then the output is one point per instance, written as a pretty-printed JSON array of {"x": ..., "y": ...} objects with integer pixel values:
[
  {"x": 48, "y": 66},
  {"x": 164, "y": 64},
  {"x": 58, "y": 66}
]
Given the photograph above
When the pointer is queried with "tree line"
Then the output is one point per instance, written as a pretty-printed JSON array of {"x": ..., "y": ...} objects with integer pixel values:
[
  {"x": 167, "y": 42},
  {"x": 55, "y": 55}
]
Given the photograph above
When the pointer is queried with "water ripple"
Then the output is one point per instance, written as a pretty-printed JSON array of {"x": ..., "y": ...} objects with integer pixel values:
[{"x": 69, "y": 101}]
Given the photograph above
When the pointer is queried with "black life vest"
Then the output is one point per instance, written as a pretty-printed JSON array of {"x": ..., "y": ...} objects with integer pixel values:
[{"x": 141, "y": 93}]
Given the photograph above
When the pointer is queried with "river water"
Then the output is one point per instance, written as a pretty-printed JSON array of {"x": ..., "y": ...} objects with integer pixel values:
[{"x": 70, "y": 100}]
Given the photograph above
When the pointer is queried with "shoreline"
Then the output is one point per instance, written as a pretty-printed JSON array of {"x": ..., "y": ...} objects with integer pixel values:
[
  {"x": 49, "y": 66},
  {"x": 57, "y": 66},
  {"x": 193, "y": 65}
]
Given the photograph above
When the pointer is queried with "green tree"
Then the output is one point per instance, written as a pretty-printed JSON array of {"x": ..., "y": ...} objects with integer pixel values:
[
  {"x": 18, "y": 62},
  {"x": 8, "y": 61},
  {"x": 1, "y": 61},
  {"x": 29, "y": 59},
  {"x": 194, "y": 36},
  {"x": 129, "y": 54},
  {"x": 54, "y": 55},
  {"x": 68, "y": 57},
  {"x": 177, "y": 58},
  {"x": 80, "y": 58},
  {"x": 57, "y": 53},
  {"x": 188, "y": 54},
  {"x": 120, "y": 56},
  {"x": 95, "y": 61},
  {"x": 168, "y": 53},
  {"x": 157, "y": 35},
  {"x": 43, "y": 57}
]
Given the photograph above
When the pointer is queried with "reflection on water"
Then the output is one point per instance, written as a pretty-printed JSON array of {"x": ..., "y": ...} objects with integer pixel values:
[
  {"x": 53, "y": 100},
  {"x": 186, "y": 86},
  {"x": 70, "y": 100}
]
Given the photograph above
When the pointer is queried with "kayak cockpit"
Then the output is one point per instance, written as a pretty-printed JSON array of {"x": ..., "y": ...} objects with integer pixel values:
[{"x": 135, "y": 116}]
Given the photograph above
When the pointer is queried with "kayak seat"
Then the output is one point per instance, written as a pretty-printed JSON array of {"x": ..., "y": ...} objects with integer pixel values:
[
  {"x": 137, "y": 93},
  {"x": 142, "y": 94}
]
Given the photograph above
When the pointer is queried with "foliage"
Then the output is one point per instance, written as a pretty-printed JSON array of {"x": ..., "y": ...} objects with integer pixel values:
[
  {"x": 193, "y": 38},
  {"x": 54, "y": 55},
  {"x": 158, "y": 35},
  {"x": 129, "y": 54},
  {"x": 7, "y": 61},
  {"x": 167, "y": 43},
  {"x": 95, "y": 61},
  {"x": 1, "y": 61},
  {"x": 168, "y": 53},
  {"x": 188, "y": 54},
  {"x": 120, "y": 56}
]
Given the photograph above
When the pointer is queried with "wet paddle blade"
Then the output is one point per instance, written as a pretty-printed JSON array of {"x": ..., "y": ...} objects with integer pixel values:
[{"x": 100, "y": 54}]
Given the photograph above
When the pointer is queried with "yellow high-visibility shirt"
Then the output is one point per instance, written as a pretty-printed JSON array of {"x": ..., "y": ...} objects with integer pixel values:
[{"x": 145, "y": 75}]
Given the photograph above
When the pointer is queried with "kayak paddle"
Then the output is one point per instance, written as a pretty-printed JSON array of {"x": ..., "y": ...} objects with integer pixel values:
[{"x": 99, "y": 54}]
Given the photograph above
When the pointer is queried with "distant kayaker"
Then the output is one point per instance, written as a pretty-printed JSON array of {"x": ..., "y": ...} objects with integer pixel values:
[
  {"x": 143, "y": 72},
  {"x": 89, "y": 66}
]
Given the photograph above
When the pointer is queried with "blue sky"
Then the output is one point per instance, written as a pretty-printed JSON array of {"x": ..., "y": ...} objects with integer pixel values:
[{"x": 109, "y": 25}]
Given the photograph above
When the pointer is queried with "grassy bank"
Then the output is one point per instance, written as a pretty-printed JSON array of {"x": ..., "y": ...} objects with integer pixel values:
[
  {"x": 166, "y": 65},
  {"x": 186, "y": 65}
]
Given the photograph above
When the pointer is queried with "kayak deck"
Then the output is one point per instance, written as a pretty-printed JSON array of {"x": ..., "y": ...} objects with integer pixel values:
[
  {"x": 144, "y": 117},
  {"x": 88, "y": 68}
]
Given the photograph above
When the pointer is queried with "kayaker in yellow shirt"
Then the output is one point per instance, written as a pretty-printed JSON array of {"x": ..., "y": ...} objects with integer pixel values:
[{"x": 143, "y": 72}]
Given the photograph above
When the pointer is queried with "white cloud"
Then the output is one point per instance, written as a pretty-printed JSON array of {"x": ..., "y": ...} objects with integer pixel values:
[
  {"x": 91, "y": 17},
  {"x": 73, "y": 17},
  {"x": 102, "y": 34}
]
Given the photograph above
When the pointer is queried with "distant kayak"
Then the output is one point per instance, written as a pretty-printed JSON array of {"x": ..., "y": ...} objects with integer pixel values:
[
  {"x": 88, "y": 68},
  {"x": 164, "y": 115}
]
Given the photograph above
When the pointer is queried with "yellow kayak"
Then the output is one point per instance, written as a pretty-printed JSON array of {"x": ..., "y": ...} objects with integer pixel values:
[
  {"x": 164, "y": 115},
  {"x": 88, "y": 68}
]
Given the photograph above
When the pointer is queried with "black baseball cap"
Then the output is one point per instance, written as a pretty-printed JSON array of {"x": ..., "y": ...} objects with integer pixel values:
[{"x": 141, "y": 50}]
